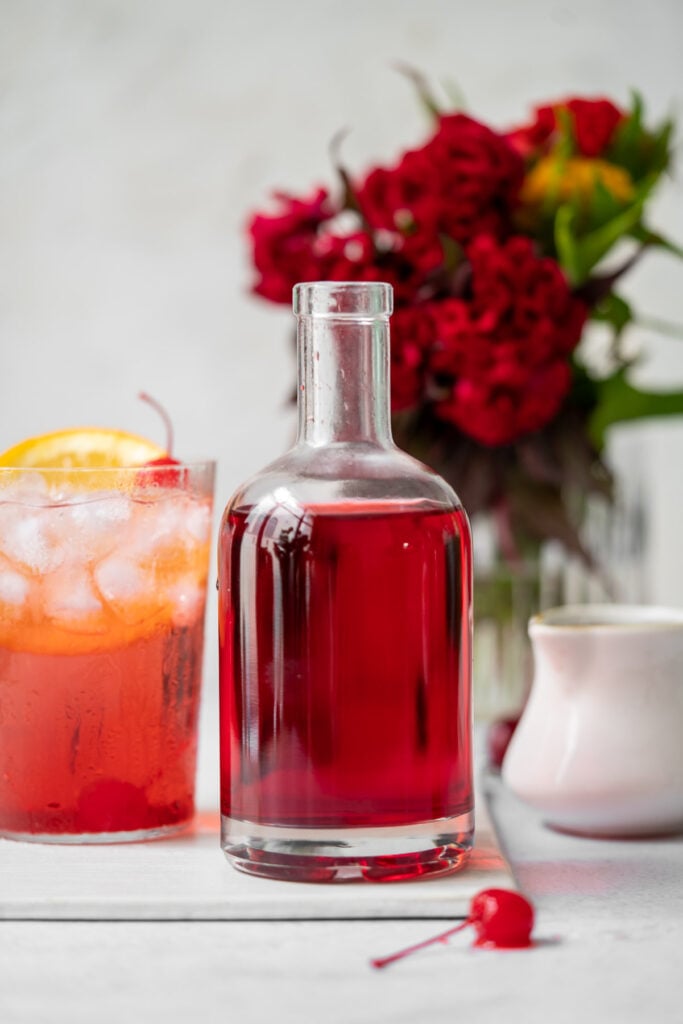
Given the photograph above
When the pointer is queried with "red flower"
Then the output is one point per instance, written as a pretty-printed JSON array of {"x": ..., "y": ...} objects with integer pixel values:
[
  {"x": 534, "y": 136},
  {"x": 402, "y": 198},
  {"x": 479, "y": 175},
  {"x": 504, "y": 351},
  {"x": 494, "y": 418},
  {"x": 349, "y": 257},
  {"x": 406, "y": 262},
  {"x": 461, "y": 182},
  {"x": 412, "y": 337},
  {"x": 594, "y": 122},
  {"x": 283, "y": 244}
]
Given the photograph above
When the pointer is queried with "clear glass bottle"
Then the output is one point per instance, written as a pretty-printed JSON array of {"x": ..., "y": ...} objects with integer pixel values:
[{"x": 345, "y": 630}]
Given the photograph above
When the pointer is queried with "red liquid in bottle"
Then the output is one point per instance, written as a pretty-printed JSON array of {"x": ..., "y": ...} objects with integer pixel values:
[{"x": 345, "y": 653}]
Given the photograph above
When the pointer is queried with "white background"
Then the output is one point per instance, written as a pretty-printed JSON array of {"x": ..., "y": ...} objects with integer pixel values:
[{"x": 137, "y": 135}]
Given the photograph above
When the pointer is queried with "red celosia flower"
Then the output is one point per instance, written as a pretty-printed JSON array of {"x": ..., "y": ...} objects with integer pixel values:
[
  {"x": 402, "y": 198},
  {"x": 349, "y": 257},
  {"x": 404, "y": 262},
  {"x": 480, "y": 176},
  {"x": 594, "y": 122},
  {"x": 412, "y": 338},
  {"x": 283, "y": 244},
  {"x": 461, "y": 182},
  {"x": 504, "y": 350},
  {"x": 535, "y": 135}
]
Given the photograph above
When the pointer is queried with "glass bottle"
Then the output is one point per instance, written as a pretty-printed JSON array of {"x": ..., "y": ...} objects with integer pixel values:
[{"x": 345, "y": 630}]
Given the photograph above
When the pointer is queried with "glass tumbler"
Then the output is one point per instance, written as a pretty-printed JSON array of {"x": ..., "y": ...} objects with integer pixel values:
[{"x": 102, "y": 595}]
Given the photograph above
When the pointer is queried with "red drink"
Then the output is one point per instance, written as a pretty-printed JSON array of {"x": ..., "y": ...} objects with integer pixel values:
[
  {"x": 345, "y": 665},
  {"x": 101, "y": 634},
  {"x": 109, "y": 744}
]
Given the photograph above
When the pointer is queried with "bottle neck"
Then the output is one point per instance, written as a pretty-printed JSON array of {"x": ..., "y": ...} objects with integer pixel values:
[{"x": 343, "y": 391}]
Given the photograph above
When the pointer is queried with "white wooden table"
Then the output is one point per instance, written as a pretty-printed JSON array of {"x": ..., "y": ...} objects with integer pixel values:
[{"x": 610, "y": 931}]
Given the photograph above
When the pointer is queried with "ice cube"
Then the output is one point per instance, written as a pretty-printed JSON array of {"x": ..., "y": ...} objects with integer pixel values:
[
  {"x": 71, "y": 599},
  {"x": 99, "y": 524},
  {"x": 180, "y": 521},
  {"x": 197, "y": 521},
  {"x": 25, "y": 488},
  {"x": 13, "y": 586},
  {"x": 26, "y": 538},
  {"x": 10, "y": 518},
  {"x": 119, "y": 579},
  {"x": 127, "y": 589},
  {"x": 102, "y": 512},
  {"x": 169, "y": 517},
  {"x": 186, "y": 597},
  {"x": 156, "y": 527}
]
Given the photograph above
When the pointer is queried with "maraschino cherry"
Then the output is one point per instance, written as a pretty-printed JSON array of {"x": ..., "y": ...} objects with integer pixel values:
[
  {"x": 502, "y": 919},
  {"x": 166, "y": 477}
]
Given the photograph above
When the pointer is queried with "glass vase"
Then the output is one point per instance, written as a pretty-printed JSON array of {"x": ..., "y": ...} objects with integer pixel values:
[{"x": 507, "y": 595}]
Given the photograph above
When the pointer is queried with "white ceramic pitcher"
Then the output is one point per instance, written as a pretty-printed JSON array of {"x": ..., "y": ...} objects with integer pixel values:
[{"x": 599, "y": 748}]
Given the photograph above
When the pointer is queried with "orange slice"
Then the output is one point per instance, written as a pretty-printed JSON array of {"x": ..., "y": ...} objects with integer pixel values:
[{"x": 81, "y": 448}]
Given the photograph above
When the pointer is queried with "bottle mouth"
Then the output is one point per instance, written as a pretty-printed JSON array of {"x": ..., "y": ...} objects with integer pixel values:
[{"x": 364, "y": 300}]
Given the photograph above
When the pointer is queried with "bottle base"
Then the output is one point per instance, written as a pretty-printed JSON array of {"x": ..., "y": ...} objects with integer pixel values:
[{"x": 394, "y": 854}]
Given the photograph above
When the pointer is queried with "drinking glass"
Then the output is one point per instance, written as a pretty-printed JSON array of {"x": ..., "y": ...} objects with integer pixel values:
[{"x": 102, "y": 596}]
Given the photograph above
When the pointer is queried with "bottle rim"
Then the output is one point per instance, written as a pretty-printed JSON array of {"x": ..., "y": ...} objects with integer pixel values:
[{"x": 365, "y": 300}]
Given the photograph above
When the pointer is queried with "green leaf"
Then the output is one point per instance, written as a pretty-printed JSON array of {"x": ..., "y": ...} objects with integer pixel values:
[
  {"x": 660, "y": 149},
  {"x": 628, "y": 138},
  {"x": 640, "y": 151},
  {"x": 422, "y": 87},
  {"x": 614, "y": 311},
  {"x": 567, "y": 245},
  {"x": 619, "y": 402},
  {"x": 349, "y": 200},
  {"x": 565, "y": 147},
  {"x": 648, "y": 237},
  {"x": 636, "y": 115},
  {"x": 604, "y": 206},
  {"x": 455, "y": 94},
  {"x": 578, "y": 255}
]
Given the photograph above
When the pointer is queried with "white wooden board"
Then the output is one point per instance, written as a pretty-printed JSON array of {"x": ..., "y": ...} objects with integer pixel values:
[{"x": 188, "y": 878}]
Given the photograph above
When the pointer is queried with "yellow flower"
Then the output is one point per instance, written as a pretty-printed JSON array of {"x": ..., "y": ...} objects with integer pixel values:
[{"x": 553, "y": 181}]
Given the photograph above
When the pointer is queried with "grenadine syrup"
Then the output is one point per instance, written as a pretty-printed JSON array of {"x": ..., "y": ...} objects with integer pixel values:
[
  {"x": 344, "y": 620},
  {"x": 345, "y": 652}
]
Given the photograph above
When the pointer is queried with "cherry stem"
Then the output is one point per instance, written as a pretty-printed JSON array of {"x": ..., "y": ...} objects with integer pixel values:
[
  {"x": 158, "y": 407},
  {"x": 384, "y": 961}
]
